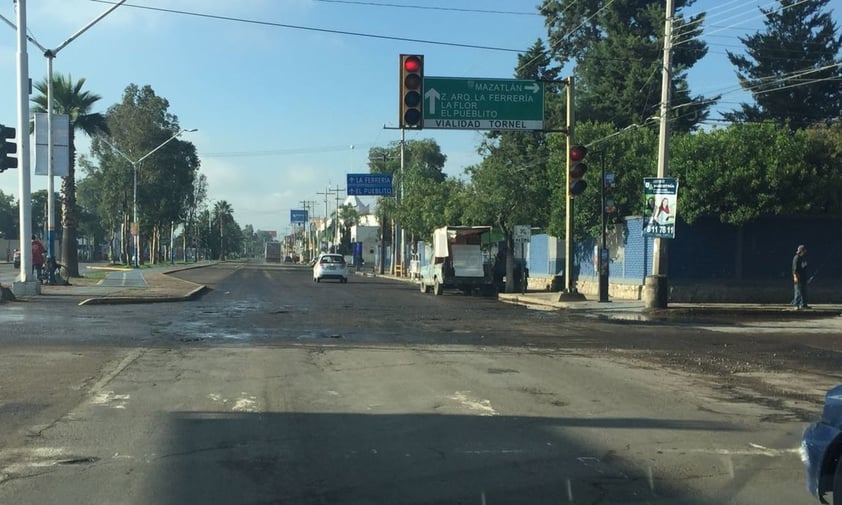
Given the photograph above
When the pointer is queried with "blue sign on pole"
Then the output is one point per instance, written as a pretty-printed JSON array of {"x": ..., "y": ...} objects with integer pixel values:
[
  {"x": 369, "y": 184},
  {"x": 298, "y": 216}
]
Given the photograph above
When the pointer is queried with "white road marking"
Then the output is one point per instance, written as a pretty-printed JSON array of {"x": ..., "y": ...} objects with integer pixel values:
[
  {"x": 477, "y": 405},
  {"x": 756, "y": 450},
  {"x": 247, "y": 403},
  {"x": 37, "y": 457},
  {"x": 110, "y": 399}
]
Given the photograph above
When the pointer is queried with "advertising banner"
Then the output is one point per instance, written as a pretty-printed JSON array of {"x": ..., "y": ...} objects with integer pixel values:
[{"x": 660, "y": 199}]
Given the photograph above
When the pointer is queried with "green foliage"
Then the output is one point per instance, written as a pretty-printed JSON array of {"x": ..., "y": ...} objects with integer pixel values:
[
  {"x": 69, "y": 98},
  {"x": 169, "y": 188},
  {"x": 427, "y": 191},
  {"x": 511, "y": 186},
  {"x": 739, "y": 173},
  {"x": 618, "y": 50},
  {"x": 9, "y": 216},
  {"x": 630, "y": 154},
  {"x": 791, "y": 69}
]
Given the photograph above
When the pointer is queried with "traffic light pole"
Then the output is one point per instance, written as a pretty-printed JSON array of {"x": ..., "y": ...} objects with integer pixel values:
[
  {"x": 602, "y": 260},
  {"x": 570, "y": 292},
  {"x": 569, "y": 283}
]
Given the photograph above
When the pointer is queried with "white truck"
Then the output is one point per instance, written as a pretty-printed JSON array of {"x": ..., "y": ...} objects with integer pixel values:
[
  {"x": 272, "y": 253},
  {"x": 456, "y": 261}
]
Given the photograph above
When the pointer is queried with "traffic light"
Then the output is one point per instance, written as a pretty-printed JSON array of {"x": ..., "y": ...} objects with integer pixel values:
[
  {"x": 412, "y": 91},
  {"x": 575, "y": 184},
  {"x": 7, "y": 148}
]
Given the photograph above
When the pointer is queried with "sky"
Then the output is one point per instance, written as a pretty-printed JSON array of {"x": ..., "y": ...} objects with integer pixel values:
[{"x": 286, "y": 99}]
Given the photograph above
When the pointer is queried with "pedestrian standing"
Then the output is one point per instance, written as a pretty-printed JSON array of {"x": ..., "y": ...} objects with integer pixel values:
[
  {"x": 38, "y": 251},
  {"x": 799, "y": 278}
]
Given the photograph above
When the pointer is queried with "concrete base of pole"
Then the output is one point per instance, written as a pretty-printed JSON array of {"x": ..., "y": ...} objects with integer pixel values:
[
  {"x": 29, "y": 288},
  {"x": 571, "y": 296},
  {"x": 655, "y": 292}
]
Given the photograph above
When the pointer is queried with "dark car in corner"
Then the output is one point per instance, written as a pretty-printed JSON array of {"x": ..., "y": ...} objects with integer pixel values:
[{"x": 821, "y": 447}]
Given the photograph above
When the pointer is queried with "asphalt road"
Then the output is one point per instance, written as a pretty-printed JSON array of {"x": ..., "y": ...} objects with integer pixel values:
[{"x": 272, "y": 389}]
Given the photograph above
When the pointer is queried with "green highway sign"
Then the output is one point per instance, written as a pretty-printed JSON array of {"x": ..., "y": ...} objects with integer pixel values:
[{"x": 453, "y": 103}]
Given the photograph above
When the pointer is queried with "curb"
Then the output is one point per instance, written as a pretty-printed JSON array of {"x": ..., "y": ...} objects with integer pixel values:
[{"x": 126, "y": 300}]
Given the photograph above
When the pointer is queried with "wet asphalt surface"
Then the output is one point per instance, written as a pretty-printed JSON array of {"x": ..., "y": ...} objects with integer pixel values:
[
  {"x": 279, "y": 305},
  {"x": 319, "y": 393}
]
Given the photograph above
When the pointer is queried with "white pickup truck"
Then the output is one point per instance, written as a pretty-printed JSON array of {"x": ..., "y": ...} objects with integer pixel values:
[{"x": 456, "y": 261}]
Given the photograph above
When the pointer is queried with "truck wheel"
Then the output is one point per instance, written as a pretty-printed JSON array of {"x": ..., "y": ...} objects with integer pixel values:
[
  {"x": 438, "y": 289},
  {"x": 422, "y": 286}
]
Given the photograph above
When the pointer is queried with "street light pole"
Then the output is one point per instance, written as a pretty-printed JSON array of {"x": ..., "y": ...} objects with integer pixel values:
[
  {"x": 50, "y": 54},
  {"x": 135, "y": 225}
]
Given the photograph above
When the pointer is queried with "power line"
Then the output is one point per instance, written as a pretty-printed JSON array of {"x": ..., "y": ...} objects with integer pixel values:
[
  {"x": 571, "y": 32},
  {"x": 764, "y": 14},
  {"x": 432, "y": 8},
  {"x": 282, "y": 152},
  {"x": 313, "y": 29}
]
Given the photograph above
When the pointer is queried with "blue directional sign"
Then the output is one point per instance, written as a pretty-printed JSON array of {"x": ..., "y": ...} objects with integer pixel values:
[
  {"x": 298, "y": 216},
  {"x": 369, "y": 184}
]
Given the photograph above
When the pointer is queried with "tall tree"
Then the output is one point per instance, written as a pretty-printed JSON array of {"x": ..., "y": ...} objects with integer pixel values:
[
  {"x": 224, "y": 214},
  {"x": 422, "y": 177},
  {"x": 618, "y": 50},
  {"x": 9, "y": 216},
  {"x": 139, "y": 125},
  {"x": 194, "y": 204},
  {"x": 791, "y": 68},
  {"x": 70, "y": 99},
  {"x": 512, "y": 184}
]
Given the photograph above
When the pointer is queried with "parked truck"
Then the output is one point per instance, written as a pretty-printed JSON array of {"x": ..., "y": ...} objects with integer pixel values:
[
  {"x": 272, "y": 252},
  {"x": 456, "y": 261}
]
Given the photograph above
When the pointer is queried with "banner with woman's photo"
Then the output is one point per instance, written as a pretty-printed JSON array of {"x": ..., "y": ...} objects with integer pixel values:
[{"x": 660, "y": 199}]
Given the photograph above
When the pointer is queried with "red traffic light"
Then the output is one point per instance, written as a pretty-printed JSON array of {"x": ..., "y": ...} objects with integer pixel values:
[
  {"x": 412, "y": 64},
  {"x": 577, "y": 153},
  {"x": 411, "y": 91}
]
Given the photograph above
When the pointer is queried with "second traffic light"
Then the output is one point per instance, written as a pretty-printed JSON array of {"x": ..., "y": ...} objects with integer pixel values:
[
  {"x": 411, "y": 91},
  {"x": 575, "y": 184},
  {"x": 7, "y": 148}
]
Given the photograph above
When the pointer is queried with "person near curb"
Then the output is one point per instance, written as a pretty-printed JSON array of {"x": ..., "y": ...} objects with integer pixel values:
[
  {"x": 799, "y": 278},
  {"x": 38, "y": 251}
]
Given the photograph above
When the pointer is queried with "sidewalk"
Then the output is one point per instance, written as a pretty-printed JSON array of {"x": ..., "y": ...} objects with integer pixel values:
[
  {"x": 156, "y": 285},
  {"x": 147, "y": 285},
  {"x": 635, "y": 309}
]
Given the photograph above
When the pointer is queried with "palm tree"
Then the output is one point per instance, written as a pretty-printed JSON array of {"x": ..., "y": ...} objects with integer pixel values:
[
  {"x": 68, "y": 98},
  {"x": 223, "y": 212}
]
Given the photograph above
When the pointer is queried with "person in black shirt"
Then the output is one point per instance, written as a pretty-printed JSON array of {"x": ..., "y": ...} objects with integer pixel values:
[{"x": 799, "y": 278}]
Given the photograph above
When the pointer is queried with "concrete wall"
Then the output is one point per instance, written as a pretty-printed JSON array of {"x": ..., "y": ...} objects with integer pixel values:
[{"x": 708, "y": 261}]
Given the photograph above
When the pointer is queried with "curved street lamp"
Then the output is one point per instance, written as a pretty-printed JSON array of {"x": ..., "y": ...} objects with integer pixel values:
[{"x": 135, "y": 226}]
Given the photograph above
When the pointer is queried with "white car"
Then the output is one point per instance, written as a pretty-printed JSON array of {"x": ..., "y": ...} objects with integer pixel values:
[{"x": 330, "y": 266}]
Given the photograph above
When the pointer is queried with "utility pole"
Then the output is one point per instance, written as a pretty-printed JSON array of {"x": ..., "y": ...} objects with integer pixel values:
[
  {"x": 327, "y": 192},
  {"x": 656, "y": 286},
  {"x": 337, "y": 236},
  {"x": 311, "y": 229},
  {"x": 304, "y": 232}
]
